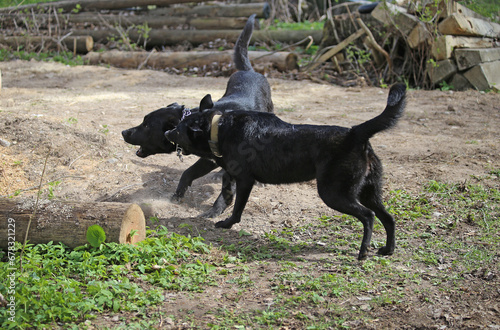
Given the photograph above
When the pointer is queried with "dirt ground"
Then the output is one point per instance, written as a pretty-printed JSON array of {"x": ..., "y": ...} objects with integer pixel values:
[{"x": 75, "y": 115}]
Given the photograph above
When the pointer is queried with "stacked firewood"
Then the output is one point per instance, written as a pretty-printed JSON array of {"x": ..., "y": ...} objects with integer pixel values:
[{"x": 441, "y": 44}]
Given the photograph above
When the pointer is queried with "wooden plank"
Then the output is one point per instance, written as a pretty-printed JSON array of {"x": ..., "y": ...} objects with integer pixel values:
[
  {"x": 460, "y": 25},
  {"x": 485, "y": 76},
  {"x": 443, "y": 46},
  {"x": 396, "y": 16},
  {"x": 467, "y": 58},
  {"x": 441, "y": 71}
]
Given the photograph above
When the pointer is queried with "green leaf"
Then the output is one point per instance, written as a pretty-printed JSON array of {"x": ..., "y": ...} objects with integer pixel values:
[{"x": 96, "y": 235}]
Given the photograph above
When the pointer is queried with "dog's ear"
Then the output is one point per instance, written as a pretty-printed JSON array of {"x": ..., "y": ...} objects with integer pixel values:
[{"x": 206, "y": 103}]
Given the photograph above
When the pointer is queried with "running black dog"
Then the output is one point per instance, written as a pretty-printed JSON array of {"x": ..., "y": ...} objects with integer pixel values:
[
  {"x": 246, "y": 89},
  {"x": 253, "y": 146}
]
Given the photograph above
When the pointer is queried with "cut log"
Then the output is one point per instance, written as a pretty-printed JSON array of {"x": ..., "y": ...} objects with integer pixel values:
[
  {"x": 467, "y": 58},
  {"x": 460, "y": 83},
  {"x": 261, "y": 9},
  {"x": 485, "y": 76},
  {"x": 153, "y": 21},
  {"x": 443, "y": 46},
  {"x": 441, "y": 71},
  {"x": 79, "y": 44},
  {"x": 67, "y": 222},
  {"x": 396, "y": 16},
  {"x": 459, "y": 25},
  {"x": 419, "y": 35},
  {"x": 283, "y": 61},
  {"x": 83, "y": 5},
  {"x": 449, "y": 7},
  {"x": 173, "y": 37}
]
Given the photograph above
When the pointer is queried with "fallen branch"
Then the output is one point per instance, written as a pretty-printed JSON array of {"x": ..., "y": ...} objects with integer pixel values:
[
  {"x": 374, "y": 43},
  {"x": 334, "y": 50}
]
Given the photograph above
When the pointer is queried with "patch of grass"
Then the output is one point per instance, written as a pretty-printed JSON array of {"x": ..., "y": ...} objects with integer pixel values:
[
  {"x": 67, "y": 58},
  {"x": 58, "y": 284},
  {"x": 306, "y": 25}
]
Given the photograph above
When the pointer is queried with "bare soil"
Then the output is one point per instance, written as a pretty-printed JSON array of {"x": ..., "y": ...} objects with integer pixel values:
[{"x": 75, "y": 115}]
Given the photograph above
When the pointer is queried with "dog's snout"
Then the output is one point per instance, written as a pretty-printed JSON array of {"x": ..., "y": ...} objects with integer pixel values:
[{"x": 126, "y": 133}]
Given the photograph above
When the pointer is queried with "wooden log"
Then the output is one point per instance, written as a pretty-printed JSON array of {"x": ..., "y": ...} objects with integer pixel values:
[
  {"x": 283, "y": 61},
  {"x": 396, "y": 16},
  {"x": 443, "y": 46},
  {"x": 459, "y": 25},
  {"x": 261, "y": 9},
  {"x": 173, "y": 37},
  {"x": 419, "y": 35},
  {"x": 67, "y": 222},
  {"x": 467, "y": 58},
  {"x": 79, "y": 44},
  {"x": 85, "y": 5},
  {"x": 460, "y": 83},
  {"x": 485, "y": 76},
  {"x": 441, "y": 71},
  {"x": 153, "y": 21},
  {"x": 449, "y": 7}
]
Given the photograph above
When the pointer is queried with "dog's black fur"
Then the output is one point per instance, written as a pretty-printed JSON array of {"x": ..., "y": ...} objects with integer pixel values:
[
  {"x": 261, "y": 147},
  {"x": 246, "y": 89}
]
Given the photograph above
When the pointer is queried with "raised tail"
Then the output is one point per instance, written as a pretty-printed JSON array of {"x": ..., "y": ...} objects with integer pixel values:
[
  {"x": 396, "y": 102},
  {"x": 240, "y": 56}
]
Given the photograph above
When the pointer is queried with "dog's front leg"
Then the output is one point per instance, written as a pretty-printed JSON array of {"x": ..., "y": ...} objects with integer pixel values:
[
  {"x": 243, "y": 190},
  {"x": 202, "y": 167},
  {"x": 225, "y": 198}
]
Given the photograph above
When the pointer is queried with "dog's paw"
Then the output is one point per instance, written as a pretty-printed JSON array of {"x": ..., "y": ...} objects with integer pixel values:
[
  {"x": 212, "y": 213},
  {"x": 224, "y": 224},
  {"x": 176, "y": 198},
  {"x": 385, "y": 251}
]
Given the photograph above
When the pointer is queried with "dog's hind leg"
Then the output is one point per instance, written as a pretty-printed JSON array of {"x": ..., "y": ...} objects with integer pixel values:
[
  {"x": 345, "y": 201},
  {"x": 225, "y": 198},
  {"x": 243, "y": 190},
  {"x": 370, "y": 197},
  {"x": 202, "y": 167}
]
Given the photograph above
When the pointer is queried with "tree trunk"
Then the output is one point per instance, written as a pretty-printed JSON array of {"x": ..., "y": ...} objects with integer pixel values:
[
  {"x": 86, "y": 5},
  {"x": 67, "y": 222},
  {"x": 196, "y": 37},
  {"x": 79, "y": 44},
  {"x": 283, "y": 61}
]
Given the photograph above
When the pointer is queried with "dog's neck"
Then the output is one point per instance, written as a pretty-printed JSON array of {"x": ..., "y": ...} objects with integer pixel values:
[{"x": 214, "y": 136}]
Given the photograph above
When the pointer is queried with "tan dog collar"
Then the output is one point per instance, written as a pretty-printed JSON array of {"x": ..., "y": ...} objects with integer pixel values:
[{"x": 214, "y": 136}]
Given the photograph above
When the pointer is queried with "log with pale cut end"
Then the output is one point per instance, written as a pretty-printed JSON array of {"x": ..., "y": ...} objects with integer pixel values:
[
  {"x": 67, "y": 222},
  {"x": 283, "y": 61},
  {"x": 78, "y": 44}
]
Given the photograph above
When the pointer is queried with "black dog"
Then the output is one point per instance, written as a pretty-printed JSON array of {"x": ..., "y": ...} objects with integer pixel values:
[
  {"x": 254, "y": 146},
  {"x": 246, "y": 89}
]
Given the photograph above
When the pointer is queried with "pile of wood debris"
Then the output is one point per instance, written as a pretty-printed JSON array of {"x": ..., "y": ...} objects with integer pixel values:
[{"x": 440, "y": 44}]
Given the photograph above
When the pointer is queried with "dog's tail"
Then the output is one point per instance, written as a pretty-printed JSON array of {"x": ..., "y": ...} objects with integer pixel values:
[
  {"x": 396, "y": 102},
  {"x": 240, "y": 56}
]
